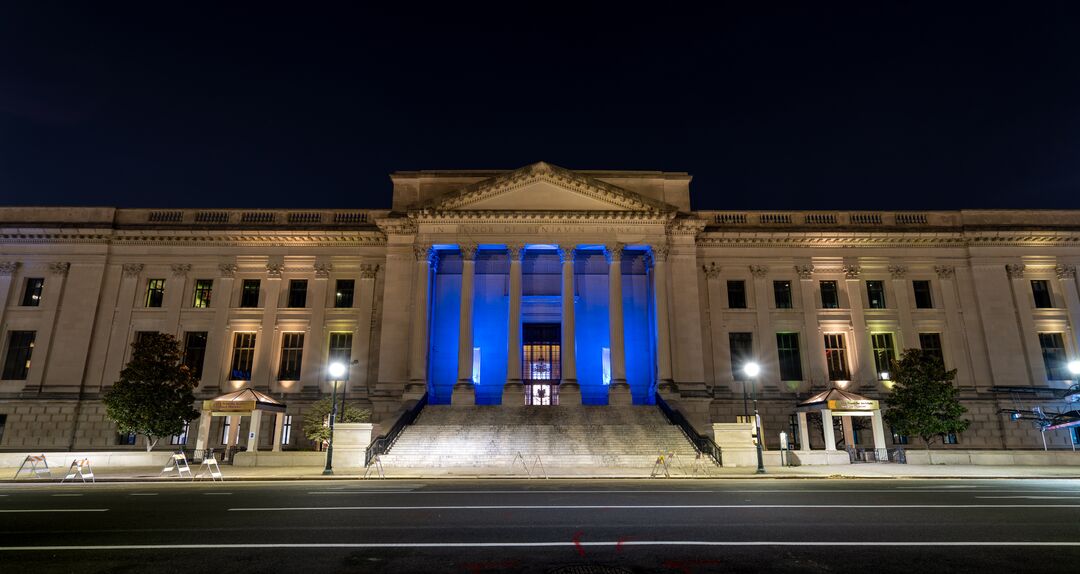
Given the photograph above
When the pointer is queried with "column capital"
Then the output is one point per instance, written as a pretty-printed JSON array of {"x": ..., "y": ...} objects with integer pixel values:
[
  {"x": 712, "y": 270},
  {"x": 322, "y": 270},
  {"x": 468, "y": 251},
  {"x": 852, "y": 271},
  {"x": 1015, "y": 270},
  {"x": 228, "y": 270},
  {"x": 897, "y": 271},
  {"x": 273, "y": 270},
  {"x": 180, "y": 269},
  {"x": 660, "y": 252},
  {"x": 759, "y": 271},
  {"x": 9, "y": 267},
  {"x": 368, "y": 270},
  {"x": 423, "y": 251},
  {"x": 59, "y": 268},
  {"x": 613, "y": 252},
  {"x": 944, "y": 271},
  {"x": 132, "y": 269},
  {"x": 515, "y": 251},
  {"x": 566, "y": 253},
  {"x": 1065, "y": 271},
  {"x": 805, "y": 271}
]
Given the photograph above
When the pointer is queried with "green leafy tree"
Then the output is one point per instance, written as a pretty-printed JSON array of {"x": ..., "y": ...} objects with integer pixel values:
[
  {"x": 924, "y": 402},
  {"x": 317, "y": 417},
  {"x": 155, "y": 393}
]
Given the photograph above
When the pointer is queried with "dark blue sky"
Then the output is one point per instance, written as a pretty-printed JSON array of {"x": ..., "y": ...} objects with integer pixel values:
[{"x": 815, "y": 105}]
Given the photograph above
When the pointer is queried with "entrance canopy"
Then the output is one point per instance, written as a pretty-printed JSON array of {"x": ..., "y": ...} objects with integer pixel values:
[
  {"x": 835, "y": 402},
  {"x": 237, "y": 404},
  {"x": 243, "y": 401},
  {"x": 839, "y": 402}
]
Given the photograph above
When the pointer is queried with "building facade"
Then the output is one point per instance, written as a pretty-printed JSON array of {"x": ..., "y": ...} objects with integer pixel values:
[{"x": 495, "y": 287}]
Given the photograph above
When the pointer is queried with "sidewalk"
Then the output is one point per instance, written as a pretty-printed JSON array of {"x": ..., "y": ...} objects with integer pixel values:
[{"x": 847, "y": 471}]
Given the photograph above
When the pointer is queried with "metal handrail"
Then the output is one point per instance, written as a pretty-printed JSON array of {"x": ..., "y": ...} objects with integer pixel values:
[
  {"x": 703, "y": 443},
  {"x": 382, "y": 444}
]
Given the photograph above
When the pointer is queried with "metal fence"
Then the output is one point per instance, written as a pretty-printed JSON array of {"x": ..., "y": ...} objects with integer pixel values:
[{"x": 894, "y": 455}]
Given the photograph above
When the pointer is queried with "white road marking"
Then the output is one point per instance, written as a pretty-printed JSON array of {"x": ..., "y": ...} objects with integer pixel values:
[
  {"x": 17, "y": 510},
  {"x": 536, "y": 544},
  {"x": 216, "y": 493},
  {"x": 515, "y": 492},
  {"x": 644, "y": 507},
  {"x": 1032, "y": 497},
  {"x": 143, "y": 494},
  {"x": 67, "y": 495}
]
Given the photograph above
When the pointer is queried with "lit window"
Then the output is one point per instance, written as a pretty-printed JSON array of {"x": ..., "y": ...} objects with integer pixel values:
[
  {"x": 243, "y": 355},
  {"x": 875, "y": 293},
  {"x": 292, "y": 354},
  {"x": 180, "y": 439},
  {"x": 476, "y": 365},
  {"x": 203, "y": 290},
  {"x": 340, "y": 348},
  {"x": 155, "y": 292},
  {"x": 286, "y": 430},
  {"x": 836, "y": 357},
  {"x": 742, "y": 350},
  {"x": 884, "y": 351},
  {"x": 605, "y": 362}
]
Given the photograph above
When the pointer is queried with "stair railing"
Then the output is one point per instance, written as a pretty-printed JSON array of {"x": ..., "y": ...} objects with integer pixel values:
[
  {"x": 703, "y": 443},
  {"x": 382, "y": 444}
]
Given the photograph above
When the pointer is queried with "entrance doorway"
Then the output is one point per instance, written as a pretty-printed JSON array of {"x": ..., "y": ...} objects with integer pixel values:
[{"x": 541, "y": 364}]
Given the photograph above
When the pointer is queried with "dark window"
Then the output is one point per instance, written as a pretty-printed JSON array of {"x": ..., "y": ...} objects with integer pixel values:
[
  {"x": 340, "y": 348},
  {"x": 836, "y": 357},
  {"x": 787, "y": 349},
  {"x": 195, "y": 352},
  {"x": 950, "y": 438},
  {"x": 884, "y": 351},
  {"x": 1054, "y": 358},
  {"x": 742, "y": 351},
  {"x": 875, "y": 293},
  {"x": 203, "y": 289},
  {"x": 830, "y": 296},
  {"x": 19, "y": 350},
  {"x": 931, "y": 343},
  {"x": 292, "y": 354},
  {"x": 898, "y": 438},
  {"x": 181, "y": 439},
  {"x": 32, "y": 294},
  {"x": 923, "y": 299},
  {"x": 298, "y": 293},
  {"x": 1040, "y": 289},
  {"x": 736, "y": 294},
  {"x": 782, "y": 291},
  {"x": 249, "y": 293},
  {"x": 343, "y": 295},
  {"x": 155, "y": 292},
  {"x": 125, "y": 439},
  {"x": 3, "y": 423},
  {"x": 243, "y": 353}
]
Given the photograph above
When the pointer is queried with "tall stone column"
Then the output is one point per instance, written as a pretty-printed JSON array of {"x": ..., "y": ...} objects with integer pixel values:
[
  {"x": 910, "y": 338},
  {"x": 811, "y": 337},
  {"x": 464, "y": 391},
  {"x": 1066, "y": 275},
  {"x": 7, "y": 271},
  {"x": 514, "y": 390},
  {"x": 663, "y": 326},
  {"x": 569, "y": 390},
  {"x": 218, "y": 337},
  {"x": 619, "y": 390},
  {"x": 426, "y": 259},
  {"x": 362, "y": 371},
  {"x": 50, "y": 304},
  {"x": 1029, "y": 343},
  {"x": 316, "y": 351},
  {"x": 858, "y": 305},
  {"x": 954, "y": 324},
  {"x": 265, "y": 340},
  {"x": 765, "y": 338}
]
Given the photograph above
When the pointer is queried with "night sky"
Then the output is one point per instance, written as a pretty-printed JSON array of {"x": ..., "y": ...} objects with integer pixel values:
[{"x": 818, "y": 105}]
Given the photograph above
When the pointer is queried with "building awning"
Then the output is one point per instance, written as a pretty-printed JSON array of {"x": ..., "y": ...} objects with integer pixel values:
[
  {"x": 243, "y": 401},
  {"x": 837, "y": 400}
]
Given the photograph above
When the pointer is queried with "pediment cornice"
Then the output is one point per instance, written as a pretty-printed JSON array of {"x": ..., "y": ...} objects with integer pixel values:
[
  {"x": 541, "y": 216},
  {"x": 584, "y": 185}
]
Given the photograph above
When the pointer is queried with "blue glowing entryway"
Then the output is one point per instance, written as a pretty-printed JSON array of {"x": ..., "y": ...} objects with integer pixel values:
[{"x": 541, "y": 315}]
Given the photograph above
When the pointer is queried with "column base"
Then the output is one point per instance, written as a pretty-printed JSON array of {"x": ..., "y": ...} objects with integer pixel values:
[
  {"x": 414, "y": 391},
  {"x": 619, "y": 394},
  {"x": 463, "y": 394},
  {"x": 569, "y": 393},
  {"x": 513, "y": 394}
]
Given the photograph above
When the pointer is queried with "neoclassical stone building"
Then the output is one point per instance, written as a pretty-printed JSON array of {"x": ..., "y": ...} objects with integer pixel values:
[{"x": 495, "y": 287}]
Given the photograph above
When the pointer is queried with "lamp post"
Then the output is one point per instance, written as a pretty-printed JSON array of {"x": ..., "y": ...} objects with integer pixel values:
[
  {"x": 336, "y": 371},
  {"x": 1074, "y": 370},
  {"x": 752, "y": 370}
]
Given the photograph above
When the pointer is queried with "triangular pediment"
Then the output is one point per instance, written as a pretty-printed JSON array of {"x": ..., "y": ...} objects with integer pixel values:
[{"x": 544, "y": 187}]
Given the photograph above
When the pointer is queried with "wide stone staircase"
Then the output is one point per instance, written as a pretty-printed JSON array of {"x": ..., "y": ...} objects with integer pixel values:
[{"x": 562, "y": 436}]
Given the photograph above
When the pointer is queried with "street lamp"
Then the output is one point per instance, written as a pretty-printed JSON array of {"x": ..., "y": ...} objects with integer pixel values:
[
  {"x": 336, "y": 372},
  {"x": 752, "y": 370},
  {"x": 1074, "y": 367}
]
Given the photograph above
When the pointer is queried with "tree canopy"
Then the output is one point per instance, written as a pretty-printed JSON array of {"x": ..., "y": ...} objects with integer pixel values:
[
  {"x": 924, "y": 402},
  {"x": 315, "y": 419},
  {"x": 156, "y": 392}
]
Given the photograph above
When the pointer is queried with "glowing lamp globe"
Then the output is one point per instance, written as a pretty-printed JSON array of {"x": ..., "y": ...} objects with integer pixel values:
[
  {"x": 336, "y": 370},
  {"x": 751, "y": 369},
  {"x": 1074, "y": 367}
]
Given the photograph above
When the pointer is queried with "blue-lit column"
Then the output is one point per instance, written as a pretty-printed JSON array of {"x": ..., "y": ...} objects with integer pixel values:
[
  {"x": 464, "y": 393},
  {"x": 569, "y": 390},
  {"x": 660, "y": 305},
  {"x": 514, "y": 390},
  {"x": 619, "y": 391}
]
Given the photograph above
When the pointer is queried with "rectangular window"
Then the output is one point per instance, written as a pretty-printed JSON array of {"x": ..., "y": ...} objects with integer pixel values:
[
  {"x": 225, "y": 430},
  {"x": 736, "y": 294},
  {"x": 32, "y": 293},
  {"x": 195, "y": 352},
  {"x": 950, "y": 438},
  {"x": 3, "y": 423},
  {"x": 340, "y": 348},
  {"x": 243, "y": 355},
  {"x": 782, "y": 292},
  {"x": 19, "y": 350},
  {"x": 898, "y": 438},
  {"x": 292, "y": 353},
  {"x": 249, "y": 293},
  {"x": 875, "y": 294},
  {"x": 203, "y": 289},
  {"x": 931, "y": 342},
  {"x": 343, "y": 295},
  {"x": 180, "y": 439},
  {"x": 884, "y": 352},
  {"x": 1054, "y": 358},
  {"x": 125, "y": 439},
  {"x": 836, "y": 357},
  {"x": 155, "y": 292},
  {"x": 298, "y": 293},
  {"x": 1040, "y": 289},
  {"x": 787, "y": 349},
  {"x": 742, "y": 351},
  {"x": 286, "y": 430},
  {"x": 830, "y": 296},
  {"x": 923, "y": 299}
]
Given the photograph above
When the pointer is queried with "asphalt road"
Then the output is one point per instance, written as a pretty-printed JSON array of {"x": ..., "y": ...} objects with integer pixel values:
[{"x": 543, "y": 526}]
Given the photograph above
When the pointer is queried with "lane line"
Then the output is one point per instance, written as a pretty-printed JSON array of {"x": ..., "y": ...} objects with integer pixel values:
[
  {"x": 515, "y": 492},
  {"x": 1033, "y": 497},
  {"x": 216, "y": 493},
  {"x": 644, "y": 507},
  {"x": 17, "y": 510},
  {"x": 143, "y": 494},
  {"x": 623, "y": 543},
  {"x": 67, "y": 495}
]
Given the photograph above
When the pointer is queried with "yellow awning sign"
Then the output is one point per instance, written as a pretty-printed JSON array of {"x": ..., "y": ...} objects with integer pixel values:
[{"x": 853, "y": 405}]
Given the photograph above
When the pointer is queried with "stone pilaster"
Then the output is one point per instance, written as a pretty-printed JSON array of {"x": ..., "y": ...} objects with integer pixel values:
[{"x": 514, "y": 390}]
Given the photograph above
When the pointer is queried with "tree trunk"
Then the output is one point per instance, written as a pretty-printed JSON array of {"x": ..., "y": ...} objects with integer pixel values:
[
  {"x": 929, "y": 454},
  {"x": 150, "y": 443}
]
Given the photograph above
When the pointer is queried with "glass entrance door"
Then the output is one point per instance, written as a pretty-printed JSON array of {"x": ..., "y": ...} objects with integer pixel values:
[{"x": 541, "y": 364}]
